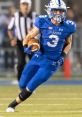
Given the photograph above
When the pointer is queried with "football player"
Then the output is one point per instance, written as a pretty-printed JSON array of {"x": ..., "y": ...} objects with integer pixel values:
[{"x": 55, "y": 42}]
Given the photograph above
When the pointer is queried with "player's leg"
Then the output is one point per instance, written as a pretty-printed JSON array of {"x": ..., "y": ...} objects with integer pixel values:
[
  {"x": 42, "y": 75},
  {"x": 28, "y": 72},
  {"x": 21, "y": 97},
  {"x": 25, "y": 93}
]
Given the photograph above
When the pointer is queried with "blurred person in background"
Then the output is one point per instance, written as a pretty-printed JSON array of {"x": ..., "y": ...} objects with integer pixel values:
[
  {"x": 11, "y": 11},
  {"x": 76, "y": 10},
  {"x": 3, "y": 37},
  {"x": 70, "y": 14},
  {"x": 19, "y": 26},
  {"x": 74, "y": 14},
  {"x": 9, "y": 54},
  {"x": 78, "y": 43},
  {"x": 55, "y": 41},
  {"x": 3, "y": 25}
]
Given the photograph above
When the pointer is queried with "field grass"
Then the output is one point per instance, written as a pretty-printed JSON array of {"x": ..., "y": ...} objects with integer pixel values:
[{"x": 47, "y": 101}]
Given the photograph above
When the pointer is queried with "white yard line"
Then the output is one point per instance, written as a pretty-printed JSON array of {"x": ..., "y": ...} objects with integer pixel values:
[
  {"x": 55, "y": 93},
  {"x": 48, "y": 104},
  {"x": 50, "y": 94},
  {"x": 30, "y": 104},
  {"x": 42, "y": 104},
  {"x": 62, "y": 111},
  {"x": 68, "y": 98},
  {"x": 52, "y": 112}
]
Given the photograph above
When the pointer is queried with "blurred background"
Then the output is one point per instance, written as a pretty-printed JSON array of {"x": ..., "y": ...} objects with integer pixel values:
[{"x": 8, "y": 59}]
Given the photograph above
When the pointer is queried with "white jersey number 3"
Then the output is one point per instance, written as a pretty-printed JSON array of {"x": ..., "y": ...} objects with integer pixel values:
[{"x": 53, "y": 41}]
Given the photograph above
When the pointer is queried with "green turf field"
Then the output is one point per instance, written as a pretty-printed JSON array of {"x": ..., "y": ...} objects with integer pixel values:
[{"x": 47, "y": 101}]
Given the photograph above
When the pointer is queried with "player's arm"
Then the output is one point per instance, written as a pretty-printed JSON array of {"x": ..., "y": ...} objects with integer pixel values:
[
  {"x": 67, "y": 45},
  {"x": 66, "y": 50},
  {"x": 12, "y": 39},
  {"x": 34, "y": 32}
]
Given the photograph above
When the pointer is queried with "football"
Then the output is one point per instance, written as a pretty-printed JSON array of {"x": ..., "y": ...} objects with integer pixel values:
[{"x": 35, "y": 44}]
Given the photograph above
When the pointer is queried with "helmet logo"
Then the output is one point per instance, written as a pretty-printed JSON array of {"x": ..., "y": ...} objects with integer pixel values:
[{"x": 58, "y": 2}]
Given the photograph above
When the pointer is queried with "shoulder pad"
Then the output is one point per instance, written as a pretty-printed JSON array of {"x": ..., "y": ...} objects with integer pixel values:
[
  {"x": 42, "y": 16},
  {"x": 71, "y": 25},
  {"x": 69, "y": 22}
]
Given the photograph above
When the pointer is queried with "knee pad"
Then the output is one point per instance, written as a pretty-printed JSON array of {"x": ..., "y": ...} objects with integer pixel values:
[{"x": 24, "y": 94}]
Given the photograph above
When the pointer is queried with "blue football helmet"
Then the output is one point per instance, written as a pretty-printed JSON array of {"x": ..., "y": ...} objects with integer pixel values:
[{"x": 56, "y": 5}]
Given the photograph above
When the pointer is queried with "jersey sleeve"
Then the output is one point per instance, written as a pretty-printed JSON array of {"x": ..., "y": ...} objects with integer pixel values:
[{"x": 71, "y": 27}]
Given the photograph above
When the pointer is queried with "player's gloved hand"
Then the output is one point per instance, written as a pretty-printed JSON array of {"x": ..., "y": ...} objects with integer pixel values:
[
  {"x": 27, "y": 50},
  {"x": 61, "y": 59}
]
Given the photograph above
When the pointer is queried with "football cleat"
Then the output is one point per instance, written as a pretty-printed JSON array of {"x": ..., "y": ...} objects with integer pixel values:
[{"x": 10, "y": 109}]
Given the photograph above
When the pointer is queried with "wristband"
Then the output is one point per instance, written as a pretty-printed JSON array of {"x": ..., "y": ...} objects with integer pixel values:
[{"x": 64, "y": 54}]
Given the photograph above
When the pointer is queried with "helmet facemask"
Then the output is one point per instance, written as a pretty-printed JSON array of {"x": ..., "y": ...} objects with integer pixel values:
[{"x": 58, "y": 17}]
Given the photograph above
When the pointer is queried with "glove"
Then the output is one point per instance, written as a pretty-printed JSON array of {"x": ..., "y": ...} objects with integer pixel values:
[
  {"x": 60, "y": 61},
  {"x": 27, "y": 50}
]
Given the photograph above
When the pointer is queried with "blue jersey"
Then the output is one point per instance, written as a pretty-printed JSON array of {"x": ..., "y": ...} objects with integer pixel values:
[{"x": 53, "y": 38}]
